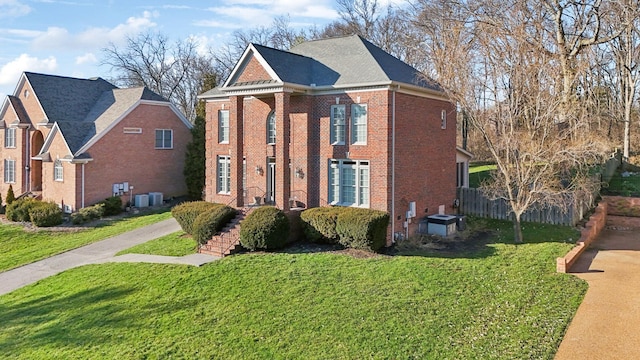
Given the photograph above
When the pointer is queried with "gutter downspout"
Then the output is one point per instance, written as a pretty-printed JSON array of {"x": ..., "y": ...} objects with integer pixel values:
[
  {"x": 82, "y": 187},
  {"x": 393, "y": 164}
]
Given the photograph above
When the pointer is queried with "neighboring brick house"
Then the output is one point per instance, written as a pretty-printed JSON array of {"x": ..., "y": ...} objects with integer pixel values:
[
  {"x": 335, "y": 121},
  {"x": 78, "y": 141}
]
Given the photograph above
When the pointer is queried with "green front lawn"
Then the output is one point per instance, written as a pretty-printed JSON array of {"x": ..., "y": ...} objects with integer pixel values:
[
  {"x": 19, "y": 247},
  {"x": 499, "y": 301},
  {"x": 176, "y": 244}
]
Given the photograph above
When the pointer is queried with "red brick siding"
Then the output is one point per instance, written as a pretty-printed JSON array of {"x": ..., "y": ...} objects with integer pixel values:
[
  {"x": 253, "y": 71},
  {"x": 59, "y": 191}
]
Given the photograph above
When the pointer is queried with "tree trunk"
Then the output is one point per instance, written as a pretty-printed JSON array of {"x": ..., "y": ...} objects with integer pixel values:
[{"x": 517, "y": 229}]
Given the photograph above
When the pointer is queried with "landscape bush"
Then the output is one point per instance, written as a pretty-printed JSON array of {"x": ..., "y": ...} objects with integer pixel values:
[
  {"x": 112, "y": 205},
  {"x": 45, "y": 214},
  {"x": 18, "y": 210},
  {"x": 87, "y": 214},
  {"x": 10, "y": 195},
  {"x": 265, "y": 228},
  {"x": 364, "y": 229},
  {"x": 211, "y": 222},
  {"x": 187, "y": 212},
  {"x": 320, "y": 224}
]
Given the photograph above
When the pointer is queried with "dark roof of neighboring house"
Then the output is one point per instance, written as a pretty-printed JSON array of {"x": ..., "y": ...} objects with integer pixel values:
[
  {"x": 83, "y": 108},
  {"x": 341, "y": 61},
  {"x": 65, "y": 98}
]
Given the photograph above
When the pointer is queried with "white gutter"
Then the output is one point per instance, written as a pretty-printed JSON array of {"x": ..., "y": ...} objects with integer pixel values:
[{"x": 82, "y": 186}]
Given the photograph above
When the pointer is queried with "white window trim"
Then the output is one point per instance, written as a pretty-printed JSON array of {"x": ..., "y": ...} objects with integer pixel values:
[
  {"x": 272, "y": 115},
  {"x": 9, "y": 176},
  {"x": 163, "y": 139},
  {"x": 354, "y": 134},
  {"x": 221, "y": 132},
  {"x": 10, "y": 142},
  {"x": 223, "y": 174},
  {"x": 358, "y": 165},
  {"x": 333, "y": 136},
  {"x": 58, "y": 171}
]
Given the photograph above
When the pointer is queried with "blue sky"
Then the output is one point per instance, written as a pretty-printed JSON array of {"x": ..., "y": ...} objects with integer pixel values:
[{"x": 64, "y": 37}]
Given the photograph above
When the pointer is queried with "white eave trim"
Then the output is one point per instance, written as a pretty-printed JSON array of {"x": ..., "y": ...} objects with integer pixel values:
[
  {"x": 251, "y": 50},
  {"x": 464, "y": 152},
  {"x": 47, "y": 142}
]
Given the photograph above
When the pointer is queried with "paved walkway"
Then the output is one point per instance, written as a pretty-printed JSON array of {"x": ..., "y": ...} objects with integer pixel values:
[
  {"x": 607, "y": 323},
  {"x": 100, "y": 252}
]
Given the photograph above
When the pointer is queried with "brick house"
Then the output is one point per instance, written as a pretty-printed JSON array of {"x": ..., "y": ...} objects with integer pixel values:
[
  {"x": 78, "y": 141},
  {"x": 331, "y": 122}
]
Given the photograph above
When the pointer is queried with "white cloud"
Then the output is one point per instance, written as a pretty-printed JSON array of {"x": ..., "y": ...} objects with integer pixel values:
[
  {"x": 10, "y": 72},
  {"x": 93, "y": 38},
  {"x": 13, "y": 8},
  {"x": 88, "y": 58}
]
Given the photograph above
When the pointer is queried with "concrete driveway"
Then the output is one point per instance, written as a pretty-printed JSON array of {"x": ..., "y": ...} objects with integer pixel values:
[{"x": 607, "y": 324}]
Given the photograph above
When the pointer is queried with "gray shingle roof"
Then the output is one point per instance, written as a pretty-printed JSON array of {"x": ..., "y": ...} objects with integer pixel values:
[
  {"x": 23, "y": 117},
  {"x": 65, "y": 98}
]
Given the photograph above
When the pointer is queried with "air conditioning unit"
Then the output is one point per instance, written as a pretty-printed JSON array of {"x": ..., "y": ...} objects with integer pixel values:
[
  {"x": 155, "y": 198},
  {"x": 141, "y": 201}
]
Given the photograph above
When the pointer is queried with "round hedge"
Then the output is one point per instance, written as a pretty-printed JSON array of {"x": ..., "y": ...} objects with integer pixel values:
[
  {"x": 211, "y": 222},
  {"x": 187, "y": 212},
  {"x": 266, "y": 228},
  {"x": 45, "y": 214},
  {"x": 320, "y": 224}
]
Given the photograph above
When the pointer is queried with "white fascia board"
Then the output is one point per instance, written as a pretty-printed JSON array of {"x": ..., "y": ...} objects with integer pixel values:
[
  {"x": 173, "y": 108},
  {"x": 33, "y": 93},
  {"x": 245, "y": 56},
  {"x": 99, "y": 136},
  {"x": 47, "y": 142}
]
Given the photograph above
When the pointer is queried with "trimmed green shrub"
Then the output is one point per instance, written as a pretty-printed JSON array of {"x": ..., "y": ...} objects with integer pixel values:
[
  {"x": 112, "y": 205},
  {"x": 265, "y": 228},
  {"x": 87, "y": 214},
  {"x": 45, "y": 214},
  {"x": 187, "y": 212},
  {"x": 18, "y": 210},
  {"x": 11, "y": 197},
  {"x": 211, "y": 222},
  {"x": 320, "y": 224},
  {"x": 364, "y": 229}
]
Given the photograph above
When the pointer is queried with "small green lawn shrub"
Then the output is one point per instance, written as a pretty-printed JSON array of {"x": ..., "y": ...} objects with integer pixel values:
[
  {"x": 112, "y": 205},
  {"x": 364, "y": 229},
  {"x": 18, "y": 210},
  {"x": 10, "y": 195},
  {"x": 211, "y": 222},
  {"x": 87, "y": 214},
  {"x": 187, "y": 212},
  {"x": 265, "y": 228},
  {"x": 320, "y": 224},
  {"x": 45, "y": 214}
]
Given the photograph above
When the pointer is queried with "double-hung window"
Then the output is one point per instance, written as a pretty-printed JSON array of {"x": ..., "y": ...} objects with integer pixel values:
[
  {"x": 10, "y": 137},
  {"x": 359, "y": 124},
  {"x": 223, "y": 126},
  {"x": 349, "y": 182},
  {"x": 57, "y": 170},
  {"x": 9, "y": 171},
  {"x": 271, "y": 128},
  {"x": 224, "y": 174},
  {"x": 164, "y": 139},
  {"x": 338, "y": 125}
]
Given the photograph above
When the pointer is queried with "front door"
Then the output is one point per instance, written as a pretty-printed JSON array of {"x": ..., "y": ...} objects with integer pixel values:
[{"x": 271, "y": 180}]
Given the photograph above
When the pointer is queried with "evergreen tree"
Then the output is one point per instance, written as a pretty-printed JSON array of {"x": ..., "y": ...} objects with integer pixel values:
[
  {"x": 10, "y": 195},
  {"x": 194, "y": 167}
]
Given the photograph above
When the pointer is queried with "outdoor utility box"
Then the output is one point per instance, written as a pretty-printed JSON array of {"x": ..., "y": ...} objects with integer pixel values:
[
  {"x": 155, "y": 198},
  {"x": 141, "y": 201},
  {"x": 462, "y": 222},
  {"x": 442, "y": 225}
]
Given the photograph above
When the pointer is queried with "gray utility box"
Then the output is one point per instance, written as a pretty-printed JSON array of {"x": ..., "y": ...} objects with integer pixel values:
[
  {"x": 442, "y": 225},
  {"x": 141, "y": 201}
]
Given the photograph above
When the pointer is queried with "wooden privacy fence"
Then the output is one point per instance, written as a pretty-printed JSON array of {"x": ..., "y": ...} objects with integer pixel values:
[{"x": 474, "y": 202}]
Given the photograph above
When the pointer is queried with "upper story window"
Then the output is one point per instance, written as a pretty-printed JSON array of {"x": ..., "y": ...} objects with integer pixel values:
[
  {"x": 57, "y": 170},
  {"x": 338, "y": 125},
  {"x": 349, "y": 182},
  {"x": 9, "y": 171},
  {"x": 359, "y": 124},
  {"x": 223, "y": 126},
  {"x": 271, "y": 128},
  {"x": 10, "y": 137},
  {"x": 164, "y": 139},
  {"x": 443, "y": 119}
]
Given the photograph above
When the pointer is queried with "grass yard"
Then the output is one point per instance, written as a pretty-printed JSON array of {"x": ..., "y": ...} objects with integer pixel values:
[
  {"x": 479, "y": 173},
  {"x": 176, "y": 244},
  {"x": 500, "y": 301},
  {"x": 19, "y": 247}
]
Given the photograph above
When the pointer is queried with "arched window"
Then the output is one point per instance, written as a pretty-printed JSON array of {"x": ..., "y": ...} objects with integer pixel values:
[
  {"x": 271, "y": 128},
  {"x": 57, "y": 170}
]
